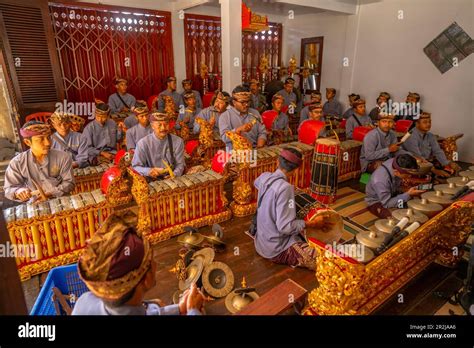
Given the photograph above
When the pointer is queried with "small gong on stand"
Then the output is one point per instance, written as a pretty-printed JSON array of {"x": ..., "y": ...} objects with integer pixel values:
[
  {"x": 215, "y": 239},
  {"x": 191, "y": 238},
  {"x": 240, "y": 298}
]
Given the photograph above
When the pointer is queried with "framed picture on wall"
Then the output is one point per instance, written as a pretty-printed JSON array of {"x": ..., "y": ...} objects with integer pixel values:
[{"x": 311, "y": 61}]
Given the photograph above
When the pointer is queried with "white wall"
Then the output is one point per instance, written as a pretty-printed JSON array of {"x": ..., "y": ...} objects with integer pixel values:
[{"x": 389, "y": 56}]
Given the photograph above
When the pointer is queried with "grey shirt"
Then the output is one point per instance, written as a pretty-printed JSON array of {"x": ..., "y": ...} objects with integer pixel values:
[
  {"x": 351, "y": 123},
  {"x": 177, "y": 98},
  {"x": 332, "y": 107},
  {"x": 116, "y": 104},
  {"x": 231, "y": 119},
  {"x": 74, "y": 144},
  {"x": 277, "y": 225},
  {"x": 426, "y": 146},
  {"x": 89, "y": 304},
  {"x": 288, "y": 97},
  {"x": 281, "y": 122},
  {"x": 347, "y": 113},
  {"x": 101, "y": 138},
  {"x": 151, "y": 151},
  {"x": 384, "y": 187},
  {"x": 131, "y": 121},
  {"x": 375, "y": 147},
  {"x": 136, "y": 133},
  {"x": 54, "y": 175},
  {"x": 191, "y": 114}
]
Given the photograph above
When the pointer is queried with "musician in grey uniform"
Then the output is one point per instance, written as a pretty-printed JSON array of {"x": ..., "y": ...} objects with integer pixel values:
[
  {"x": 189, "y": 113},
  {"x": 379, "y": 144},
  {"x": 352, "y": 98},
  {"x": 160, "y": 151},
  {"x": 358, "y": 118},
  {"x": 219, "y": 103},
  {"x": 188, "y": 87},
  {"x": 101, "y": 136},
  {"x": 141, "y": 130},
  {"x": 171, "y": 92},
  {"x": 315, "y": 114},
  {"x": 66, "y": 140},
  {"x": 424, "y": 144},
  {"x": 289, "y": 96},
  {"x": 315, "y": 99},
  {"x": 132, "y": 120},
  {"x": 121, "y": 101},
  {"x": 332, "y": 107},
  {"x": 40, "y": 171},
  {"x": 383, "y": 188},
  {"x": 243, "y": 120},
  {"x": 382, "y": 101},
  {"x": 257, "y": 99}
]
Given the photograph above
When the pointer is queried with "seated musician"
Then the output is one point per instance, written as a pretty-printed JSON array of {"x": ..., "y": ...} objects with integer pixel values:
[
  {"x": 280, "y": 126},
  {"x": 159, "y": 152},
  {"x": 187, "y": 117},
  {"x": 66, "y": 140},
  {"x": 40, "y": 171},
  {"x": 243, "y": 120},
  {"x": 278, "y": 230},
  {"x": 332, "y": 107},
  {"x": 315, "y": 114},
  {"x": 132, "y": 120},
  {"x": 290, "y": 98},
  {"x": 117, "y": 267},
  {"x": 171, "y": 92},
  {"x": 315, "y": 99},
  {"x": 358, "y": 118},
  {"x": 411, "y": 110},
  {"x": 101, "y": 136},
  {"x": 219, "y": 104},
  {"x": 382, "y": 101},
  {"x": 383, "y": 189},
  {"x": 379, "y": 144},
  {"x": 188, "y": 87},
  {"x": 423, "y": 143},
  {"x": 139, "y": 131},
  {"x": 352, "y": 98},
  {"x": 121, "y": 101},
  {"x": 257, "y": 99}
]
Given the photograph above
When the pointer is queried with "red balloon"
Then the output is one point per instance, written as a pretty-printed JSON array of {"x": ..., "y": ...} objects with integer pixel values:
[
  {"x": 268, "y": 117},
  {"x": 309, "y": 131},
  {"x": 403, "y": 126},
  {"x": 360, "y": 132},
  {"x": 190, "y": 146},
  {"x": 107, "y": 178}
]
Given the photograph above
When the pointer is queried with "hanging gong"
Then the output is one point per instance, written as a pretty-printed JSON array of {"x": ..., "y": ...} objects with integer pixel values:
[
  {"x": 218, "y": 279},
  {"x": 459, "y": 180},
  {"x": 193, "y": 273},
  {"x": 412, "y": 215},
  {"x": 207, "y": 254},
  {"x": 240, "y": 298}
]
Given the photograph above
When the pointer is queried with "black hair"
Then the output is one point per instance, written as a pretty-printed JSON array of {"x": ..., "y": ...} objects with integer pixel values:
[
  {"x": 407, "y": 161},
  {"x": 241, "y": 88},
  {"x": 287, "y": 165}
]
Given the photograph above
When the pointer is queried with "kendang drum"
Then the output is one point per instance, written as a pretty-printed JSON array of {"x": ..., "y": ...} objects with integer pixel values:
[
  {"x": 324, "y": 170},
  {"x": 309, "y": 131},
  {"x": 310, "y": 210},
  {"x": 360, "y": 133},
  {"x": 268, "y": 117}
]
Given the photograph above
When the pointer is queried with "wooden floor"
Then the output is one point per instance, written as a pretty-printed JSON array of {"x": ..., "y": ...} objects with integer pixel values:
[{"x": 419, "y": 296}]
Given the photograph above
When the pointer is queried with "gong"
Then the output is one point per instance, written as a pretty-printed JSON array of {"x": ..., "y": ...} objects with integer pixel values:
[
  {"x": 218, "y": 279},
  {"x": 236, "y": 301}
]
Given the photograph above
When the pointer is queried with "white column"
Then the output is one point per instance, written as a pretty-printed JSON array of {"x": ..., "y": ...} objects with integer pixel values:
[
  {"x": 177, "y": 24},
  {"x": 231, "y": 34}
]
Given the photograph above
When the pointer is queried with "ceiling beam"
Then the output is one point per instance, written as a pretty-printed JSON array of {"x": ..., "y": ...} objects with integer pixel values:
[
  {"x": 341, "y": 6},
  {"x": 187, "y": 4}
]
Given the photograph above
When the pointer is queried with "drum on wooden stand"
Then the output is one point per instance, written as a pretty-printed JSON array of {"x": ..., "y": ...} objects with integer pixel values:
[
  {"x": 360, "y": 132},
  {"x": 309, "y": 131},
  {"x": 324, "y": 170}
]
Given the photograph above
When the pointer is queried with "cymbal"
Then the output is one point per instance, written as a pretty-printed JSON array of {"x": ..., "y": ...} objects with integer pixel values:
[
  {"x": 234, "y": 302},
  {"x": 207, "y": 254},
  {"x": 193, "y": 273}
]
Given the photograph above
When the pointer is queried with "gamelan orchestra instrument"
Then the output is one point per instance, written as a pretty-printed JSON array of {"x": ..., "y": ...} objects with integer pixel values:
[
  {"x": 360, "y": 132},
  {"x": 425, "y": 207},
  {"x": 88, "y": 179},
  {"x": 58, "y": 228},
  {"x": 240, "y": 298},
  {"x": 309, "y": 131},
  {"x": 324, "y": 171},
  {"x": 309, "y": 209}
]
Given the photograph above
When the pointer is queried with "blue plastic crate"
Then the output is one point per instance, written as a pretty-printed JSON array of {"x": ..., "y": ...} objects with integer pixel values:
[{"x": 67, "y": 280}]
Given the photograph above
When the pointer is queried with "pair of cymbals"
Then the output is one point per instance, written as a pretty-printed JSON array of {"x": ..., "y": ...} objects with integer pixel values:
[
  {"x": 200, "y": 260},
  {"x": 191, "y": 238}
]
